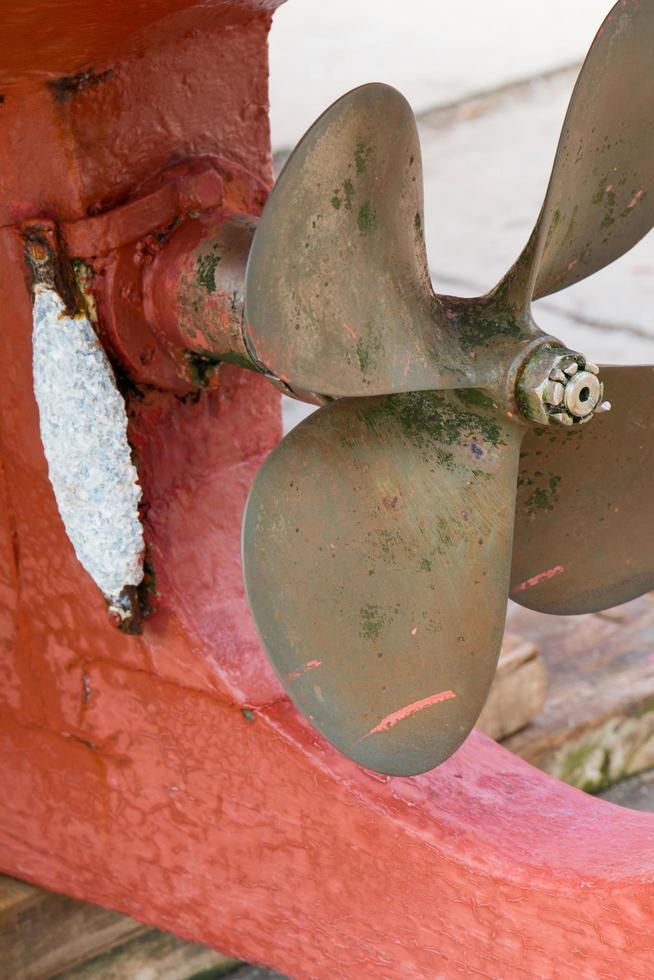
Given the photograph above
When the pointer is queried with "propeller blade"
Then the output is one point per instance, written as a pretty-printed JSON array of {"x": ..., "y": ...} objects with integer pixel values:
[
  {"x": 600, "y": 199},
  {"x": 338, "y": 295},
  {"x": 584, "y": 536},
  {"x": 376, "y": 548}
]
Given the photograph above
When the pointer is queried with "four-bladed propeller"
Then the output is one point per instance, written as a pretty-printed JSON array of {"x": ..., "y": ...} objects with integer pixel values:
[{"x": 377, "y": 539}]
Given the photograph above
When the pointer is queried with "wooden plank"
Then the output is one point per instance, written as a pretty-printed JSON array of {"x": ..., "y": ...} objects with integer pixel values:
[
  {"x": 519, "y": 689},
  {"x": 154, "y": 955},
  {"x": 44, "y": 935},
  {"x": 15, "y": 897},
  {"x": 636, "y": 793},
  {"x": 597, "y": 725}
]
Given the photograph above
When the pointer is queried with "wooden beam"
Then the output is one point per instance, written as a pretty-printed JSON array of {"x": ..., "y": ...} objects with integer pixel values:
[
  {"x": 519, "y": 689},
  {"x": 597, "y": 725},
  {"x": 44, "y": 935}
]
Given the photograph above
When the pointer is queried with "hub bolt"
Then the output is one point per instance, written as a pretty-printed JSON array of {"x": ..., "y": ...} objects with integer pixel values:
[{"x": 558, "y": 386}]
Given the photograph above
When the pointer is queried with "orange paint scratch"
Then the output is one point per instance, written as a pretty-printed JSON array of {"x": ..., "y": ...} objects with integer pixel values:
[
  {"x": 537, "y": 579},
  {"x": 411, "y": 709},
  {"x": 352, "y": 333}
]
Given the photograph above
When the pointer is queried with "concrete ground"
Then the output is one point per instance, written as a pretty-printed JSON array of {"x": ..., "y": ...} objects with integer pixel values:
[
  {"x": 486, "y": 157},
  {"x": 436, "y": 52}
]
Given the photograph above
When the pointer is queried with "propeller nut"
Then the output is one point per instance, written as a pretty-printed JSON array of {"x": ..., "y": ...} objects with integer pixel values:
[{"x": 560, "y": 387}]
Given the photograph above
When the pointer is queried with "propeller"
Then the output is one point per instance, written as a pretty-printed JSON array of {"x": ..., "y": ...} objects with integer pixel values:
[
  {"x": 585, "y": 508},
  {"x": 338, "y": 299},
  {"x": 378, "y": 538},
  {"x": 391, "y": 515}
]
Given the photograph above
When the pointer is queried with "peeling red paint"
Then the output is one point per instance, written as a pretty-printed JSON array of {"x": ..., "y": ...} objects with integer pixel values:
[
  {"x": 411, "y": 709},
  {"x": 537, "y": 579},
  {"x": 635, "y": 199},
  {"x": 310, "y": 665}
]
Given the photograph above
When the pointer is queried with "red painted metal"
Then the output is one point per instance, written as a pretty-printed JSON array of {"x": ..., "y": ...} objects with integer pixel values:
[
  {"x": 193, "y": 290},
  {"x": 186, "y": 188},
  {"x": 167, "y": 775},
  {"x": 145, "y": 278}
]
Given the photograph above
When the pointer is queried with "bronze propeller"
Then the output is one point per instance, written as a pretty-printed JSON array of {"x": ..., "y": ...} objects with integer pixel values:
[{"x": 378, "y": 542}]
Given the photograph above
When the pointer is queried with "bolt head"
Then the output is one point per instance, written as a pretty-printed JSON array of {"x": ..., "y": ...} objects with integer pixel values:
[
  {"x": 553, "y": 393},
  {"x": 582, "y": 394},
  {"x": 559, "y": 387}
]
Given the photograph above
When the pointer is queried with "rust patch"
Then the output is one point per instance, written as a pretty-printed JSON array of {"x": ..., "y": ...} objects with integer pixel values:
[{"x": 68, "y": 86}]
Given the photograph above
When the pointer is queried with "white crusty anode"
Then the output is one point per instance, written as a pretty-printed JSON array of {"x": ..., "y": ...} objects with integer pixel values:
[{"x": 84, "y": 434}]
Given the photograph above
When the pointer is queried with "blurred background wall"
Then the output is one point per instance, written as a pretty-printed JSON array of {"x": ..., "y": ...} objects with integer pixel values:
[
  {"x": 435, "y": 51},
  {"x": 490, "y": 83}
]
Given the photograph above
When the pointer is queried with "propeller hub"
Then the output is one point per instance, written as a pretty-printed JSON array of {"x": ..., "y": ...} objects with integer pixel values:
[{"x": 560, "y": 387}]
